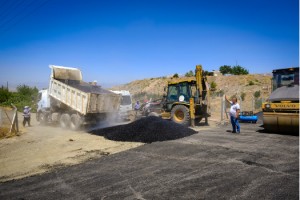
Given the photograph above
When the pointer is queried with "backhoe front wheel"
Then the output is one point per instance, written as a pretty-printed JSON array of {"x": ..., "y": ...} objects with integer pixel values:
[{"x": 180, "y": 114}]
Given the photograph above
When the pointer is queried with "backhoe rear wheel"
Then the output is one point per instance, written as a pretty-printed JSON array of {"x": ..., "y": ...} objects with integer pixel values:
[{"x": 180, "y": 114}]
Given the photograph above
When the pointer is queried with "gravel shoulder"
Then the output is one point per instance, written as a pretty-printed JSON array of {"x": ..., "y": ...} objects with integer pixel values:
[{"x": 41, "y": 148}]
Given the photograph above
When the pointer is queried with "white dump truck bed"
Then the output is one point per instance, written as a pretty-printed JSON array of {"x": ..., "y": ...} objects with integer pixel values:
[{"x": 66, "y": 86}]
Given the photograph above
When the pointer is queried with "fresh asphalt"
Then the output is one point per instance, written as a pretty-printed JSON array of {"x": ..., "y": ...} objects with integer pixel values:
[{"x": 212, "y": 164}]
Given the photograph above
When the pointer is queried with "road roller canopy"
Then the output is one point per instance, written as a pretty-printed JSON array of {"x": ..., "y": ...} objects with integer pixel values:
[{"x": 285, "y": 93}]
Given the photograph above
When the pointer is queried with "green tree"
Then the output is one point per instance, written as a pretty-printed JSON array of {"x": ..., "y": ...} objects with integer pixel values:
[
  {"x": 25, "y": 96},
  {"x": 189, "y": 74},
  {"x": 175, "y": 75},
  {"x": 225, "y": 69},
  {"x": 26, "y": 90},
  {"x": 238, "y": 70},
  {"x": 207, "y": 73},
  {"x": 4, "y": 95}
]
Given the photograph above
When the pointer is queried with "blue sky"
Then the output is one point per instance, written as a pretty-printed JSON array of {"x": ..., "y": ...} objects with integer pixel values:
[{"x": 118, "y": 41}]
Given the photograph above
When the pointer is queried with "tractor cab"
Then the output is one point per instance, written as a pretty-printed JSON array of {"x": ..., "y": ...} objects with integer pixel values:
[{"x": 179, "y": 93}]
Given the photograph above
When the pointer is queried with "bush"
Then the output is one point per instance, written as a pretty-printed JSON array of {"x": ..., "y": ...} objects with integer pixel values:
[
  {"x": 213, "y": 86},
  {"x": 219, "y": 93},
  {"x": 175, "y": 75},
  {"x": 251, "y": 83},
  {"x": 258, "y": 103},
  {"x": 257, "y": 94},
  {"x": 243, "y": 95}
]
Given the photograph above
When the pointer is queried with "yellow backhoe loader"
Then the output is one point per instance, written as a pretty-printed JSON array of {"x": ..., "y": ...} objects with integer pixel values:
[{"x": 185, "y": 101}]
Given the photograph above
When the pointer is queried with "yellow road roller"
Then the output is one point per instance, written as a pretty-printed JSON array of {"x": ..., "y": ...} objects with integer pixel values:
[{"x": 281, "y": 111}]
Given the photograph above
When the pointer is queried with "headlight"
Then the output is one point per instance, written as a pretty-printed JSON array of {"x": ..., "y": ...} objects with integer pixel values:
[{"x": 267, "y": 106}]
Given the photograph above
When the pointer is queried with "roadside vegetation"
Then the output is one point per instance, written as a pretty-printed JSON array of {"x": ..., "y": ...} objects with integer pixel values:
[
  {"x": 235, "y": 70},
  {"x": 24, "y": 96}
]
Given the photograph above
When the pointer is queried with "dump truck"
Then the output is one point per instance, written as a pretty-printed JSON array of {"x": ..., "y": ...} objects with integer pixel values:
[
  {"x": 186, "y": 100},
  {"x": 71, "y": 102},
  {"x": 281, "y": 111}
]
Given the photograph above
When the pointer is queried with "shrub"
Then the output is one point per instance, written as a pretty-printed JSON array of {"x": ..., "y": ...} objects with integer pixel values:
[
  {"x": 213, "y": 86},
  {"x": 251, "y": 83},
  {"x": 257, "y": 94},
  {"x": 258, "y": 103},
  {"x": 243, "y": 95}
]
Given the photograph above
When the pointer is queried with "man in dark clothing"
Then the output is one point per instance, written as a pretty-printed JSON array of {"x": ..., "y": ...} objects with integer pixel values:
[{"x": 26, "y": 114}]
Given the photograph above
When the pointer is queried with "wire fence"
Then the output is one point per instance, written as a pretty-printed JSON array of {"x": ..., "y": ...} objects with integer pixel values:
[
  {"x": 8, "y": 121},
  {"x": 220, "y": 107}
]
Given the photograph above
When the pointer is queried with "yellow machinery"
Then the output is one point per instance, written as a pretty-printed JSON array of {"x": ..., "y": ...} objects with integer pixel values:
[
  {"x": 281, "y": 111},
  {"x": 187, "y": 100}
]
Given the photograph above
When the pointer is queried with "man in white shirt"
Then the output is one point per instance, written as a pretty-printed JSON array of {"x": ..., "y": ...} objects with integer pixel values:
[{"x": 234, "y": 114}]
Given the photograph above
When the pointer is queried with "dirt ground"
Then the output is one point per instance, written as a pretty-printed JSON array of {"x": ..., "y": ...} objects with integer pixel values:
[
  {"x": 211, "y": 164},
  {"x": 41, "y": 148}
]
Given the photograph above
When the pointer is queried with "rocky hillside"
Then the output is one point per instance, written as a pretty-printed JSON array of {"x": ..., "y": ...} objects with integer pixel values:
[{"x": 242, "y": 85}]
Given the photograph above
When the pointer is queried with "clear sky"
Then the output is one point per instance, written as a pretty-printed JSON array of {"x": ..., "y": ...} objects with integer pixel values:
[{"x": 117, "y": 41}]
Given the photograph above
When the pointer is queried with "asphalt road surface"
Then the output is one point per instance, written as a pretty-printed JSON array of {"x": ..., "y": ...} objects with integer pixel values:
[{"x": 212, "y": 164}]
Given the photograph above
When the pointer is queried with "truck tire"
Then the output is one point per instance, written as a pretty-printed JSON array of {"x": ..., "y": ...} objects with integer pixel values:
[
  {"x": 180, "y": 114},
  {"x": 42, "y": 118},
  {"x": 75, "y": 122},
  {"x": 65, "y": 120}
]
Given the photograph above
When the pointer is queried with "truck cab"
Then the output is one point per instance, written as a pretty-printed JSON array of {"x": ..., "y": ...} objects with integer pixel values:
[
  {"x": 43, "y": 100},
  {"x": 126, "y": 103}
]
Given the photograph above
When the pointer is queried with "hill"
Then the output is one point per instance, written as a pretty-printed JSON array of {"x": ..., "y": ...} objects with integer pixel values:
[
  {"x": 231, "y": 85},
  {"x": 252, "y": 89}
]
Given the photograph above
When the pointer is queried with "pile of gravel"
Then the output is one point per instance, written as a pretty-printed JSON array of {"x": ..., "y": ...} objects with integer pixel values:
[{"x": 147, "y": 130}]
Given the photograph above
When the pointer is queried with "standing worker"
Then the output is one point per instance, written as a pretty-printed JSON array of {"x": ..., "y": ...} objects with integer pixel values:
[
  {"x": 26, "y": 114},
  {"x": 234, "y": 114},
  {"x": 137, "y": 106}
]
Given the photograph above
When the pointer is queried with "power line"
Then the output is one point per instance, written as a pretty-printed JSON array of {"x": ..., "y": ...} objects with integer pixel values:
[{"x": 25, "y": 16}]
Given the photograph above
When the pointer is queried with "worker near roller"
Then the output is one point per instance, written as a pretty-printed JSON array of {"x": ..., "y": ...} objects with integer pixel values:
[
  {"x": 234, "y": 114},
  {"x": 137, "y": 106},
  {"x": 26, "y": 114}
]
